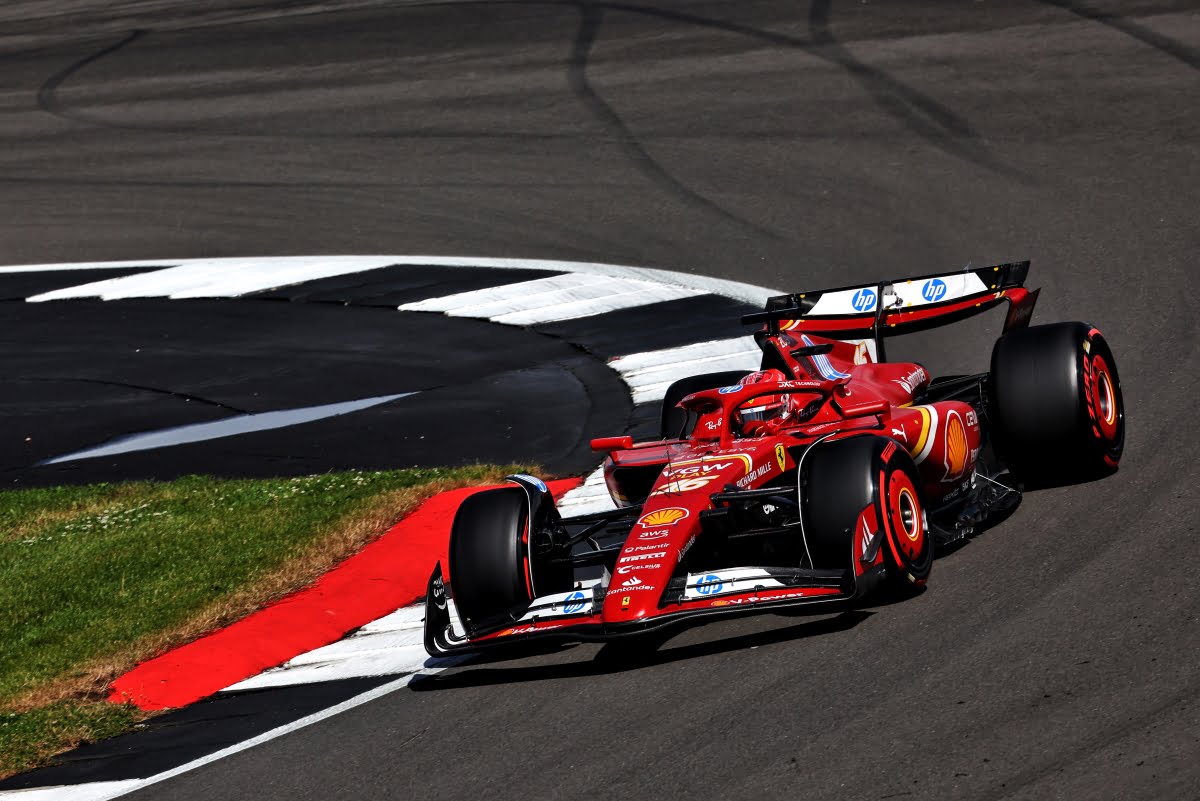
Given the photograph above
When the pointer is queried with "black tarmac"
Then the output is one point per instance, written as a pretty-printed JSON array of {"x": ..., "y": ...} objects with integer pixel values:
[{"x": 790, "y": 145}]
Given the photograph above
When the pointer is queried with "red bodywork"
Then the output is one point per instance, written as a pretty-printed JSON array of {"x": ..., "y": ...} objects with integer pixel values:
[{"x": 670, "y": 484}]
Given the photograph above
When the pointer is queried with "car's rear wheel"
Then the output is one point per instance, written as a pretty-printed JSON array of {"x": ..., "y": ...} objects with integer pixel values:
[
  {"x": 1055, "y": 406},
  {"x": 866, "y": 478},
  {"x": 489, "y": 573},
  {"x": 678, "y": 423}
]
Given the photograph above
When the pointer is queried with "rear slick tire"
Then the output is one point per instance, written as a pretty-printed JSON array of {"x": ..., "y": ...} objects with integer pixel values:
[
  {"x": 488, "y": 563},
  {"x": 1055, "y": 404},
  {"x": 842, "y": 479}
]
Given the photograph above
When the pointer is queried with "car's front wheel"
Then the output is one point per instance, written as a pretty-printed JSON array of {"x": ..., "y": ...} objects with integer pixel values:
[
  {"x": 866, "y": 478},
  {"x": 489, "y": 571}
]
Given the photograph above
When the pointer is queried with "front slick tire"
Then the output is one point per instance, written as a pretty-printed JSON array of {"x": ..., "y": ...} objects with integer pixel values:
[
  {"x": 846, "y": 477},
  {"x": 1056, "y": 405},
  {"x": 488, "y": 570}
]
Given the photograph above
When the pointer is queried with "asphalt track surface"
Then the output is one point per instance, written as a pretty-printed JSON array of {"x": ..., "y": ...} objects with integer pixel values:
[{"x": 785, "y": 144}]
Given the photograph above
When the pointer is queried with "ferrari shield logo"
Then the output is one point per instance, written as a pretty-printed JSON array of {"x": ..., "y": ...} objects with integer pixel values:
[{"x": 780, "y": 455}]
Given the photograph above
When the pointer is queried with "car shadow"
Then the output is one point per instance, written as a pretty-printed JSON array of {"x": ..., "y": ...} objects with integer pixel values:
[{"x": 628, "y": 654}]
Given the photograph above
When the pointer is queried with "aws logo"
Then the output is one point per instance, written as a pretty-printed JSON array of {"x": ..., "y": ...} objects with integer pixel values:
[{"x": 663, "y": 517}]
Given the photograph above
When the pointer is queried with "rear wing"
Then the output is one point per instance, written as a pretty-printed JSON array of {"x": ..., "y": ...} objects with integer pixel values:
[{"x": 901, "y": 305}]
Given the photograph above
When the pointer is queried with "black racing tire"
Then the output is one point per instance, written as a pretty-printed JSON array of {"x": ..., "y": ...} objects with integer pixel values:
[
  {"x": 677, "y": 423},
  {"x": 488, "y": 553},
  {"x": 841, "y": 479},
  {"x": 1055, "y": 406}
]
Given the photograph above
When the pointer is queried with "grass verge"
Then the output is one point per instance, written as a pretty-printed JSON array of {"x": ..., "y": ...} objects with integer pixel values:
[{"x": 95, "y": 579}]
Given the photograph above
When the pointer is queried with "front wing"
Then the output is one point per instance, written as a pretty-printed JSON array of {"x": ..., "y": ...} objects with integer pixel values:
[{"x": 575, "y": 616}]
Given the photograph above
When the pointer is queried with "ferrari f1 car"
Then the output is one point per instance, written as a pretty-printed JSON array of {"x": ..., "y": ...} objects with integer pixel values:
[{"x": 826, "y": 475}]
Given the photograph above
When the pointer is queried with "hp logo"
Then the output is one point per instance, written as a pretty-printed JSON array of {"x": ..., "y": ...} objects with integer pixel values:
[
  {"x": 864, "y": 300},
  {"x": 709, "y": 585},
  {"x": 573, "y": 603},
  {"x": 934, "y": 290}
]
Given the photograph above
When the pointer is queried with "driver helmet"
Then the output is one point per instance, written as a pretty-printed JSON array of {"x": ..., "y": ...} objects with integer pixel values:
[{"x": 749, "y": 420}]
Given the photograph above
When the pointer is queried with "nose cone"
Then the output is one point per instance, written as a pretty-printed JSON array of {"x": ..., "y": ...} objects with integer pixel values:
[{"x": 648, "y": 561}]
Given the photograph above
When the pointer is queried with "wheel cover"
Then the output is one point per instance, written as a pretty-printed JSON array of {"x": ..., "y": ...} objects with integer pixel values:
[
  {"x": 907, "y": 524},
  {"x": 1102, "y": 400}
]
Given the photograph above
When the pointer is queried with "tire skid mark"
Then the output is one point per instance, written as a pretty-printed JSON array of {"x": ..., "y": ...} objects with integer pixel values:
[{"x": 591, "y": 17}]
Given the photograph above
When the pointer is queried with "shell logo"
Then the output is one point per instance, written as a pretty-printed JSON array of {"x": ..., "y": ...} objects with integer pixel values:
[
  {"x": 663, "y": 517},
  {"x": 956, "y": 446}
]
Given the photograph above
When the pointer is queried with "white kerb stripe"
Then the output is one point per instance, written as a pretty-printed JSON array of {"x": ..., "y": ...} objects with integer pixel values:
[
  {"x": 348, "y": 264},
  {"x": 102, "y": 791},
  {"x": 649, "y": 374},
  {"x": 218, "y": 278},
  {"x": 391, "y": 645},
  {"x": 559, "y": 297},
  {"x": 591, "y": 496}
]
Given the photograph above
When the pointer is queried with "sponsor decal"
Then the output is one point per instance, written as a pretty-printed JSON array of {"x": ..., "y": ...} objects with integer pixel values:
[
  {"x": 863, "y": 300},
  {"x": 691, "y": 541},
  {"x": 714, "y": 456},
  {"x": 662, "y": 517},
  {"x": 639, "y": 587},
  {"x": 972, "y": 420},
  {"x": 934, "y": 290},
  {"x": 729, "y": 390},
  {"x": 756, "y": 474},
  {"x": 657, "y": 546},
  {"x": 781, "y": 455},
  {"x": 900, "y": 433},
  {"x": 643, "y": 557},
  {"x": 518, "y": 630},
  {"x": 675, "y": 471},
  {"x": 625, "y": 601},
  {"x": 911, "y": 381},
  {"x": 439, "y": 593},
  {"x": 956, "y": 446},
  {"x": 625, "y": 569},
  {"x": 709, "y": 585},
  {"x": 678, "y": 485},
  {"x": 574, "y": 603},
  {"x": 656, "y": 534},
  {"x": 714, "y": 425},
  {"x": 632, "y": 581}
]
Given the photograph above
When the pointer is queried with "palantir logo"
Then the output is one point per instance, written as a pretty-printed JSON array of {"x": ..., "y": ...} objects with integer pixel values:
[
  {"x": 864, "y": 300},
  {"x": 573, "y": 603},
  {"x": 934, "y": 290},
  {"x": 709, "y": 585}
]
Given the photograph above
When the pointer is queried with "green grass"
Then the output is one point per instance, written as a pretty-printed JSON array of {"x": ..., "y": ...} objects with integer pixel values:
[{"x": 96, "y": 578}]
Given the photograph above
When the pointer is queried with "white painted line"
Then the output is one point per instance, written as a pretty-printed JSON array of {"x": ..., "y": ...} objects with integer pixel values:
[
  {"x": 92, "y": 791},
  {"x": 349, "y": 264},
  {"x": 229, "y": 427},
  {"x": 102, "y": 791},
  {"x": 217, "y": 278}
]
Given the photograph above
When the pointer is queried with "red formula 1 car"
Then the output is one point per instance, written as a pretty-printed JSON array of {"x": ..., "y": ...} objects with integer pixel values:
[{"x": 823, "y": 477}]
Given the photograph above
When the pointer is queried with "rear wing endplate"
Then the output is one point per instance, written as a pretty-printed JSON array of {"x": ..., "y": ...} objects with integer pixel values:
[{"x": 902, "y": 305}]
